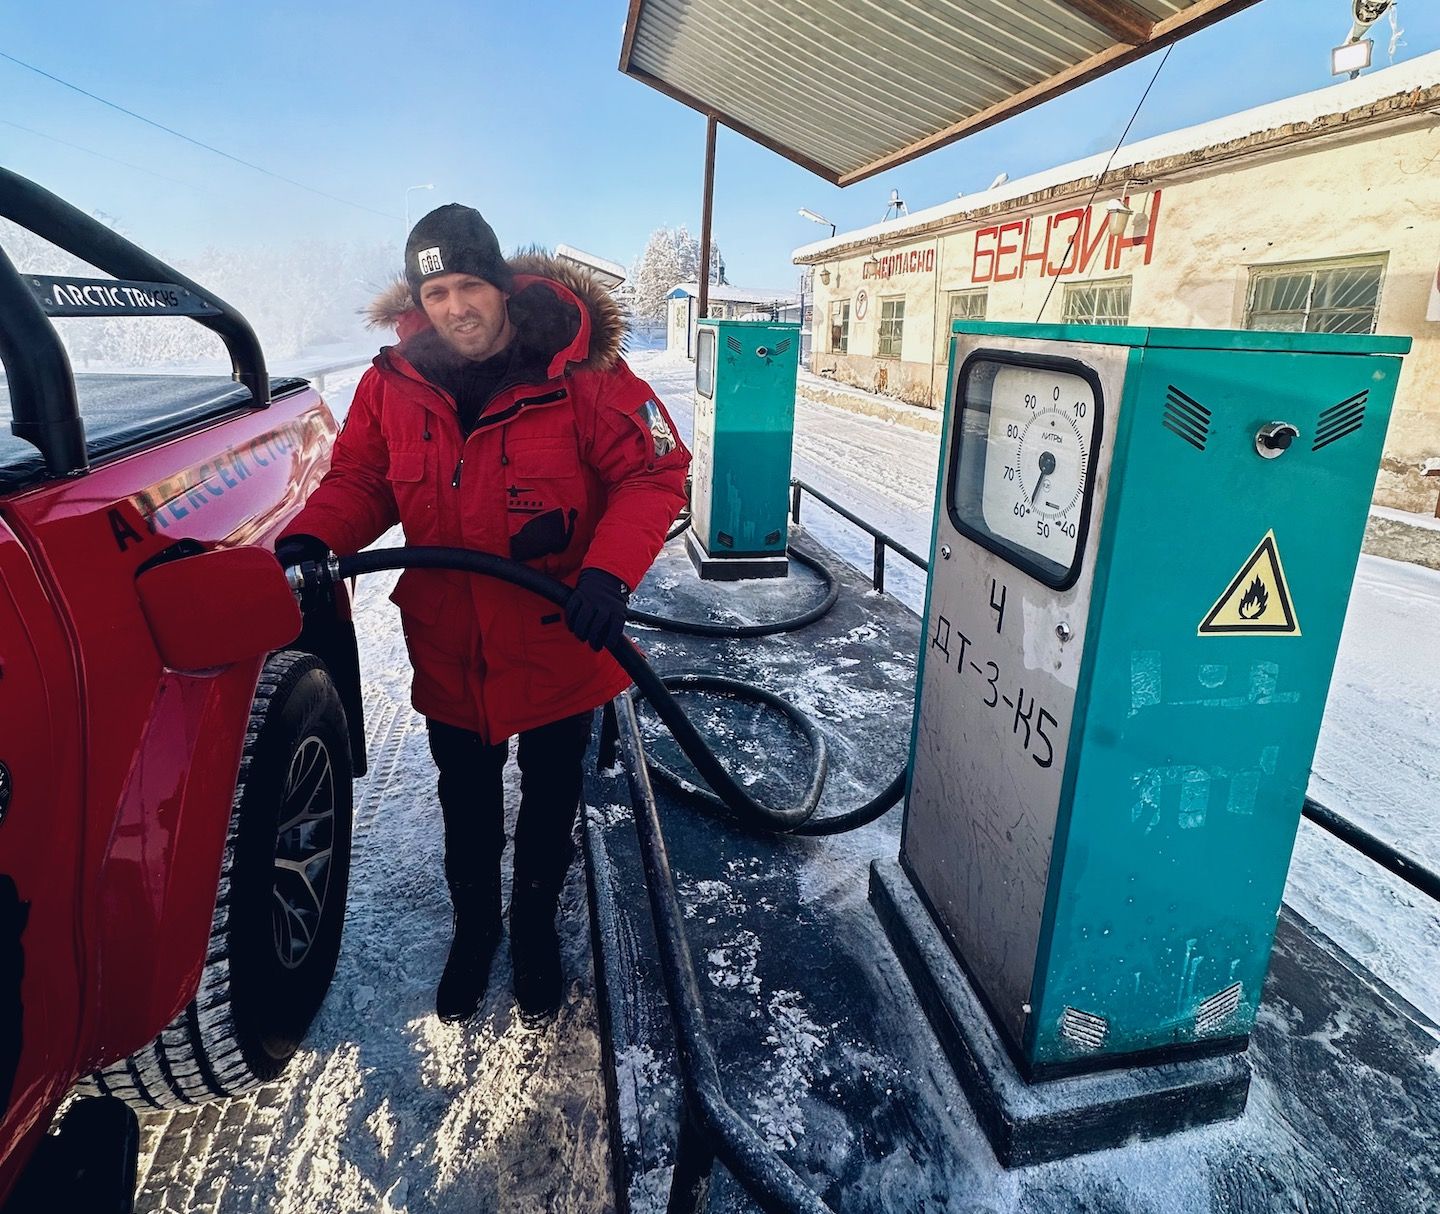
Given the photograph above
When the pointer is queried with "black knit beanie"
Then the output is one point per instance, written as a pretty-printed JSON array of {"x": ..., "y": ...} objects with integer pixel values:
[{"x": 454, "y": 239}]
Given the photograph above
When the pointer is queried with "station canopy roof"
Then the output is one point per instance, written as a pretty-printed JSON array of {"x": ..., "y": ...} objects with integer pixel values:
[{"x": 849, "y": 88}]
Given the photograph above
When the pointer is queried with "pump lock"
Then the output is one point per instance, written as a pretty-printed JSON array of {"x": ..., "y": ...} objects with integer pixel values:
[{"x": 1273, "y": 439}]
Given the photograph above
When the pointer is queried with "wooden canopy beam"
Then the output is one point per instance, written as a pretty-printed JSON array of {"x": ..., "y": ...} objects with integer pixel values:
[{"x": 1123, "y": 22}]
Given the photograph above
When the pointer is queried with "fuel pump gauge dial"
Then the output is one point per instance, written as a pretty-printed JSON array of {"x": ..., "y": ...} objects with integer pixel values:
[
  {"x": 1051, "y": 458},
  {"x": 1020, "y": 478}
]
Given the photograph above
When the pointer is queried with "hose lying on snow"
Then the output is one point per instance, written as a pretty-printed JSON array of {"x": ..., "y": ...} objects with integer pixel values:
[
  {"x": 700, "y": 628},
  {"x": 740, "y": 804}
]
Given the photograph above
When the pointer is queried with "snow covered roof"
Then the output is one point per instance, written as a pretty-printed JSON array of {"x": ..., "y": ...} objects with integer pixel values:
[
  {"x": 849, "y": 90},
  {"x": 729, "y": 294},
  {"x": 610, "y": 273},
  {"x": 1337, "y": 101}
]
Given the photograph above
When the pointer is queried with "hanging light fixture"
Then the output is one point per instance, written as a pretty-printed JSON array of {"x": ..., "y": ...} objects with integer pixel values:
[{"x": 1117, "y": 217}]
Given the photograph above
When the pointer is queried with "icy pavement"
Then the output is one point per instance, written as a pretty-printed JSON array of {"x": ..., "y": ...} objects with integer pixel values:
[
  {"x": 385, "y": 1110},
  {"x": 824, "y": 1047}
]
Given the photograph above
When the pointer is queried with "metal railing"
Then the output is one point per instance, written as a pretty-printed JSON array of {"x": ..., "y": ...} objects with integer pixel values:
[
  {"x": 1407, "y": 868},
  {"x": 1390, "y": 858},
  {"x": 882, "y": 541},
  {"x": 316, "y": 375}
]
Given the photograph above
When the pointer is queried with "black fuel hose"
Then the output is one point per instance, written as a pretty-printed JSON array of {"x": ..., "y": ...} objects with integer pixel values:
[
  {"x": 680, "y": 526},
  {"x": 706, "y": 681},
  {"x": 701, "y": 628},
  {"x": 737, "y": 801},
  {"x": 862, "y": 815},
  {"x": 835, "y": 824}
]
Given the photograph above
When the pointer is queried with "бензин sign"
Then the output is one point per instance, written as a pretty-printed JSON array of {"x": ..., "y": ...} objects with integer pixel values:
[{"x": 1051, "y": 246}]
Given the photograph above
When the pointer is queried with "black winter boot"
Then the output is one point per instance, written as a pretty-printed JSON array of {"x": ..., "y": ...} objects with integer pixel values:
[
  {"x": 477, "y": 935},
  {"x": 535, "y": 954}
]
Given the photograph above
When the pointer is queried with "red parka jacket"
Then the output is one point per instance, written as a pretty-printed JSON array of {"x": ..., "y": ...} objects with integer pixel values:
[{"x": 576, "y": 466}]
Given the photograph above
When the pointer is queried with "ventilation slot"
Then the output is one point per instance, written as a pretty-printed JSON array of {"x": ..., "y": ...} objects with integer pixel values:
[
  {"x": 783, "y": 346},
  {"x": 1186, "y": 417},
  {"x": 1339, "y": 420},
  {"x": 1084, "y": 1029},
  {"x": 734, "y": 344},
  {"x": 1216, "y": 1010}
]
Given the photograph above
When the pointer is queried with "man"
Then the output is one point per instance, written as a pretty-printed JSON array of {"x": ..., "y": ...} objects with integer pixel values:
[{"x": 505, "y": 421}]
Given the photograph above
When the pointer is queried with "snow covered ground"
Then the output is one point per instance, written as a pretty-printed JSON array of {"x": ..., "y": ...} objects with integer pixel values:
[{"x": 386, "y": 1110}]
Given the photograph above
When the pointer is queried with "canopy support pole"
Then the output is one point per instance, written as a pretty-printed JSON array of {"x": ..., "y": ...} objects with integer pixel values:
[{"x": 706, "y": 215}]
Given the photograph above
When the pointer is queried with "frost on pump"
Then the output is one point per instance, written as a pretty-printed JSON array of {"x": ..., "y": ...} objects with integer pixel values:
[{"x": 660, "y": 432}]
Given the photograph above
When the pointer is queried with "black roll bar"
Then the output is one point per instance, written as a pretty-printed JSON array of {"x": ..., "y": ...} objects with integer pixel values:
[
  {"x": 43, "y": 408},
  {"x": 43, "y": 402}
]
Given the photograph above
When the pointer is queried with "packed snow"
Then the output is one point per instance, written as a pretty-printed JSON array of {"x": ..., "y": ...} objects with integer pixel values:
[{"x": 385, "y": 1110}]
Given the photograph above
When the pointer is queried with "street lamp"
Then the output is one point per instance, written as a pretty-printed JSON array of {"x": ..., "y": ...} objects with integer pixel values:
[
  {"x": 1352, "y": 56},
  {"x": 408, "y": 192},
  {"x": 807, "y": 213}
]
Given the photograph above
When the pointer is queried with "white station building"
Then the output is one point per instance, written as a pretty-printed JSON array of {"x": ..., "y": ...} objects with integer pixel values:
[{"x": 1320, "y": 213}]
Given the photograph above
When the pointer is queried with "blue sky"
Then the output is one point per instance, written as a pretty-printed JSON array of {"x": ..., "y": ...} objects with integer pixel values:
[{"x": 519, "y": 109}]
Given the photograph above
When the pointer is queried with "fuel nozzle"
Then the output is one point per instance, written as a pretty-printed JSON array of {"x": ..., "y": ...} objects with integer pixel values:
[{"x": 310, "y": 581}]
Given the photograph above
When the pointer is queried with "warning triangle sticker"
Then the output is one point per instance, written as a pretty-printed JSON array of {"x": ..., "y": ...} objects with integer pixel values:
[{"x": 1257, "y": 599}]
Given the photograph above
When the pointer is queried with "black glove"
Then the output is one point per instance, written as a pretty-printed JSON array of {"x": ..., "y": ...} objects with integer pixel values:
[
  {"x": 595, "y": 611},
  {"x": 297, "y": 550}
]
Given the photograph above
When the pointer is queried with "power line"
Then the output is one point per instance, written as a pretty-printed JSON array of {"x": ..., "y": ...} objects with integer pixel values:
[
  {"x": 113, "y": 160},
  {"x": 198, "y": 143},
  {"x": 1089, "y": 202}
]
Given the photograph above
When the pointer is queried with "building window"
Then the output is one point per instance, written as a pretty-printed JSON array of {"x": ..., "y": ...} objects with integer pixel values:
[
  {"x": 1098, "y": 303},
  {"x": 840, "y": 326},
  {"x": 892, "y": 326},
  {"x": 1316, "y": 296},
  {"x": 968, "y": 305}
]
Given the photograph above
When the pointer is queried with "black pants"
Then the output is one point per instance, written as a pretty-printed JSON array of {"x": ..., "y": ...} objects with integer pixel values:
[{"x": 472, "y": 800}]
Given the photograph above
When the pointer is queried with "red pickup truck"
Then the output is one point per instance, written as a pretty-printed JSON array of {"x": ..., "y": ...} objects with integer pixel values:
[{"x": 175, "y": 763}]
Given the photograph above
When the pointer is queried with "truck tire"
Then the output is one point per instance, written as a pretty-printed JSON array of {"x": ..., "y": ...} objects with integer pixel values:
[{"x": 275, "y": 933}]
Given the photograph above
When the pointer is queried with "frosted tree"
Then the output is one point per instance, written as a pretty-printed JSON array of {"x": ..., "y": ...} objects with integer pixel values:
[
  {"x": 654, "y": 274},
  {"x": 296, "y": 298},
  {"x": 689, "y": 248},
  {"x": 671, "y": 256}
]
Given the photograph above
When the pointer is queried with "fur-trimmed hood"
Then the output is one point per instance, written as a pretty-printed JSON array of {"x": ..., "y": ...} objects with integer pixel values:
[{"x": 543, "y": 317}]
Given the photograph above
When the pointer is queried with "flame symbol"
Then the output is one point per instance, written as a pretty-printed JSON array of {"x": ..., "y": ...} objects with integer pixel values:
[{"x": 1256, "y": 599}]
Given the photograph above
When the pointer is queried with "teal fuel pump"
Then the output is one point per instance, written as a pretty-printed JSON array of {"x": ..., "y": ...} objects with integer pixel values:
[
  {"x": 744, "y": 428},
  {"x": 1143, "y": 550}
]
